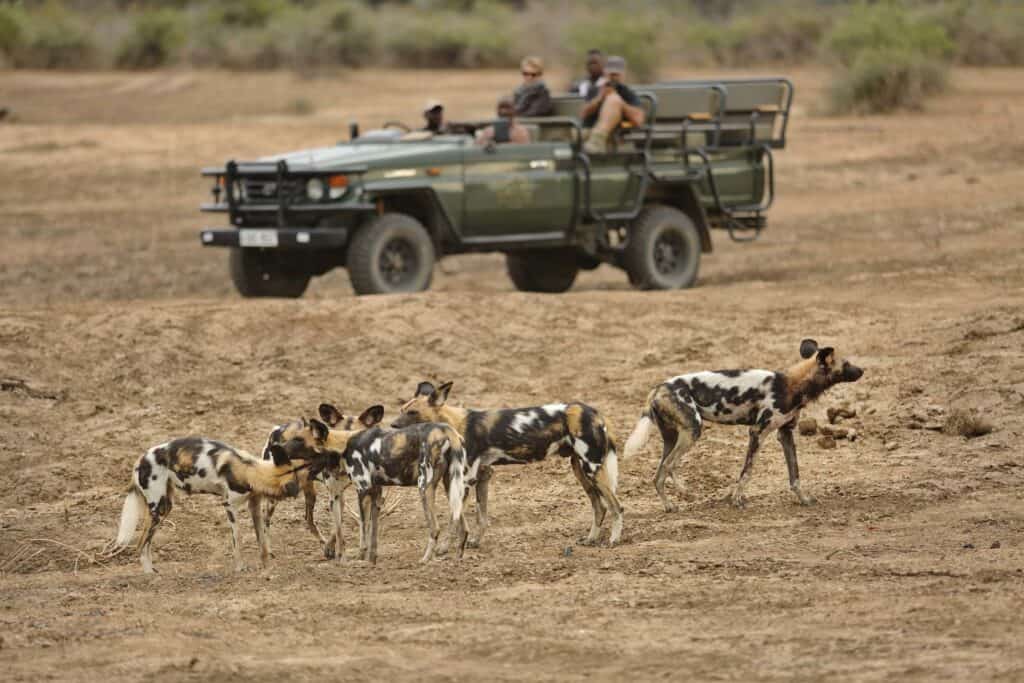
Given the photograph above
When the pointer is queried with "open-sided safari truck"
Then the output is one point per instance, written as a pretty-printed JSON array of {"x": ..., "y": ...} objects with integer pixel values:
[{"x": 387, "y": 204}]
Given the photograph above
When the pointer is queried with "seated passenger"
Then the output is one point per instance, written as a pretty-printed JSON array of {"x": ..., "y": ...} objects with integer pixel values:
[
  {"x": 532, "y": 98},
  {"x": 433, "y": 114},
  {"x": 506, "y": 130},
  {"x": 588, "y": 86},
  {"x": 608, "y": 107}
]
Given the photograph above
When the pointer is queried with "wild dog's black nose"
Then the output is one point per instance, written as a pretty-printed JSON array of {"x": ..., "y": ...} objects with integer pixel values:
[{"x": 853, "y": 373}]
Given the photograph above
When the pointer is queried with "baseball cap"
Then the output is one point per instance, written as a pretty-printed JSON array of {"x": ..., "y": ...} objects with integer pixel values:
[{"x": 615, "y": 64}]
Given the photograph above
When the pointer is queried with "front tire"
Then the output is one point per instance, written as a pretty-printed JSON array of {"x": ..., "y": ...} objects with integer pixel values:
[
  {"x": 389, "y": 254},
  {"x": 542, "y": 270},
  {"x": 264, "y": 273},
  {"x": 664, "y": 249}
]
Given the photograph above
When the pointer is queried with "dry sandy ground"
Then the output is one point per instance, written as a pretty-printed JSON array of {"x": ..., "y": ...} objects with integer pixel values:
[{"x": 896, "y": 239}]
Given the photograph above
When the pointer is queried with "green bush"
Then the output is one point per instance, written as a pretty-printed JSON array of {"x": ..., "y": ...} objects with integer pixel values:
[
  {"x": 631, "y": 36},
  {"x": 447, "y": 39},
  {"x": 154, "y": 41},
  {"x": 328, "y": 35},
  {"x": 984, "y": 33},
  {"x": 245, "y": 13},
  {"x": 790, "y": 34},
  {"x": 12, "y": 31},
  {"x": 56, "y": 39},
  {"x": 887, "y": 26},
  {"x": 882, "y": 80}
]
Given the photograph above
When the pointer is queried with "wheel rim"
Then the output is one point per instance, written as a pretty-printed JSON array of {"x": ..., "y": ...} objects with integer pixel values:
[
  {"x": 669, "y": 253},
  {"x": 398, "y": 263}
]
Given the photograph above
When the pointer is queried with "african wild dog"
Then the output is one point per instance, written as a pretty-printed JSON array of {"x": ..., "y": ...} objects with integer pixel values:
[
  {"x": 522, "y": 435},
  {"x": 199, "y": 465},
  {"x": 422, "y": 455},
  {"x": 761, "y": 399},
  {"x": 336, "y": 481}
]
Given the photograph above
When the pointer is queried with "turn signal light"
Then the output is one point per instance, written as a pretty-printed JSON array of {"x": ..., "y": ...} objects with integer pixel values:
[{"x": 338, "y": 181}]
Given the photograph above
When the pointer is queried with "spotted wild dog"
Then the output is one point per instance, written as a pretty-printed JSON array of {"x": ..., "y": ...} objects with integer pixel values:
[
  {"x": 335, "y": 480},
  {"x": 763, "y": 400},
  {"x": 522, "y": 435},
  {"x": 199, "y": 465},
  {"x": 423, "y": 455}
]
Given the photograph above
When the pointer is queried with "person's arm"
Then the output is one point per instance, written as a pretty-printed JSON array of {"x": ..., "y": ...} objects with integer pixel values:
[
  {"x": 593, "y": 105},
  {"x": 484, "y": 136}
]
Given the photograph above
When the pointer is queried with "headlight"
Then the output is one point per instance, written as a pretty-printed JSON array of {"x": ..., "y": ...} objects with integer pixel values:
[{"x": 315, "y": 189}]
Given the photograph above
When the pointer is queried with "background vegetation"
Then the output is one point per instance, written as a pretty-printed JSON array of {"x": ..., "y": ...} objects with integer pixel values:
[{"x": 886, "y": 54}]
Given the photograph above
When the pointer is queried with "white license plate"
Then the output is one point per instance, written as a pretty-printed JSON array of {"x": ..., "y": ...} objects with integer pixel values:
[{"x": 257, "y": 238}]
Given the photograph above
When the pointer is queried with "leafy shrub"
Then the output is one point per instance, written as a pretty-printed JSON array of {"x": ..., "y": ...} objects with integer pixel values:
[
  {"x": 615, "y": 33},
  {"x": 447, "y": 39},
  {"x": 883, "y": 79},
  {"x": 984, "y": 33},
  {"x": 788, "y": 34},
  {"x": 246, "y": 13},
  {"x": 154, "y": 41},
  {"x": 12, "y": 30},
  {"x": 887, "y": 26},
  {"x": 328, "y": 35},
  {"x": 55, "y": 39}
]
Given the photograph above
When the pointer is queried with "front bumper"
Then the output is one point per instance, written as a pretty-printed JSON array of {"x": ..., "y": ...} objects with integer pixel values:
[{"x": 276, "y": 238}]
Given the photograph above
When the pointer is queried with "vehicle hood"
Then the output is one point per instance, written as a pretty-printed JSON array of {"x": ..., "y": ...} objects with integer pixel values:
[{"x": 386, "y": 155}]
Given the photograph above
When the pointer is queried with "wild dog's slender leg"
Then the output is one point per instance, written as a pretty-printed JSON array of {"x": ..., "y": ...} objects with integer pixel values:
[
  {"x": 231, "y": 509},
  {"x": 748, "y": 466},
  {"x": 309, "y": 494},
  {"x": 428, "y": 496},
  {"x": 259, "y": 524},
  {"x": 157, "y": 513},
  {"x": 364, "y": 524},
  {"x": 483, "y": 477},
  {"x": 595, "y": 501},
  {"x": 611, "y": 501},
  {"x": 335, "y": 545},
  {"x": 374, "y": 522},
  {"x": 267, "y": 514},
  {"x": 785, "y": 437},
  {"x": 442, "y": 547},
  {"x": 667, "y": 464}
]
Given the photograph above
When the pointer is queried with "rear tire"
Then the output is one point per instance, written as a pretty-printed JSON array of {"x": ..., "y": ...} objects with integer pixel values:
[
  {"x": 264, "y": 273},
  {"x": 542, "y": 270},
  {"x": 664, "y": 249},
  {"x": 389, "y": 254}
]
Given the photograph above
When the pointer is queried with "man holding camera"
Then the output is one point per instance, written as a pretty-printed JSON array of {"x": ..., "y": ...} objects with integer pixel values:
[{"x": 609, "y": 106}]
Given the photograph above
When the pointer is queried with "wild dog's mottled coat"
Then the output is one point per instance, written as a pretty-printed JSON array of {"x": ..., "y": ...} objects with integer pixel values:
[
  {"x": 762, "y": 400},
  {"x": 200, "y": 465},
  {"x": 524, "y": 435},
  {"x": 422, "y": 455}
]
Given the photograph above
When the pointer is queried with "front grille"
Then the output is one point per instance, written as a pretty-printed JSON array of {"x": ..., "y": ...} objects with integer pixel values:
[{"x": 266, "y": 190}]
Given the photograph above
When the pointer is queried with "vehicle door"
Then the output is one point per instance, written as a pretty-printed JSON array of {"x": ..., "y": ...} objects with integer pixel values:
[{"x": 518, "y": 193}]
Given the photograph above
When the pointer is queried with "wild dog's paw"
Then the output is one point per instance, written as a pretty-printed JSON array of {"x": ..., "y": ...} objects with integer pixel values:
[
  {"x": 738, "y": 500},
  {"x": 587, "y": 541},
  {"x": 473, "y": 543},
  {"x": 329, "y": 551},
  {"x": 806, "y": 499},
  {"x": 671, "y": 507},
  {"x": 441, "y": 551}
]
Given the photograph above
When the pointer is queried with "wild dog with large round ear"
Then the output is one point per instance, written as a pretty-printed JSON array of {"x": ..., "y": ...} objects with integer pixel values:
[
  {"x": 498, "y": 437},
  {"x": 762, "y": 400}
]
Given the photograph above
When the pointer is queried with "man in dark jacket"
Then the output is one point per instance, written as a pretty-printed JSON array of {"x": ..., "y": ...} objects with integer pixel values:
[{"x": 532, "y": 98}]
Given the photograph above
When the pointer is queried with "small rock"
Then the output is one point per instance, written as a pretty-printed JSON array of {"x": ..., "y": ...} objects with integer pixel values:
[
  {"x": 971, "y": 180},
  {"x": 968, "y": 546},
  {"x": 891, "y": 445},
  {"x": 827, "y": 442},
  {"x": 808, "y": 426},
  {"x": 996, "y": 544},
  {"x": 841, "y": 412},
  {"x": 567, "y": 552}
]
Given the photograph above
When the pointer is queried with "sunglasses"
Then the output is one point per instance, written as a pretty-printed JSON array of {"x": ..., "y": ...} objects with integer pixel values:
[{"x": 531, "y": 74}]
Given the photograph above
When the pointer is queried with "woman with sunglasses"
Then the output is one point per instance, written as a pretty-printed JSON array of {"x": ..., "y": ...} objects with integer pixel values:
[{"x": 532, "y": 98}]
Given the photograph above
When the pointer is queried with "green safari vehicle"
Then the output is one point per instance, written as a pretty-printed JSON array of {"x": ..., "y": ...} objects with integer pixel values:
[{"x": 387, "y": 204}]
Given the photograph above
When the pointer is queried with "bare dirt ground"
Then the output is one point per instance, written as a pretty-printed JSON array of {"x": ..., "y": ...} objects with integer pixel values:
[{"x": 896, "y": 239}]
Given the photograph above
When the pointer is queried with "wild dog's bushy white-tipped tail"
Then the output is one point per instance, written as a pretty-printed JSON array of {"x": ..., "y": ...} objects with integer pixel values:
[
  {"x": 457, "y": 480},
  {"x": 131, "y": 512},
  {"x": 638, "y": 439}
]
